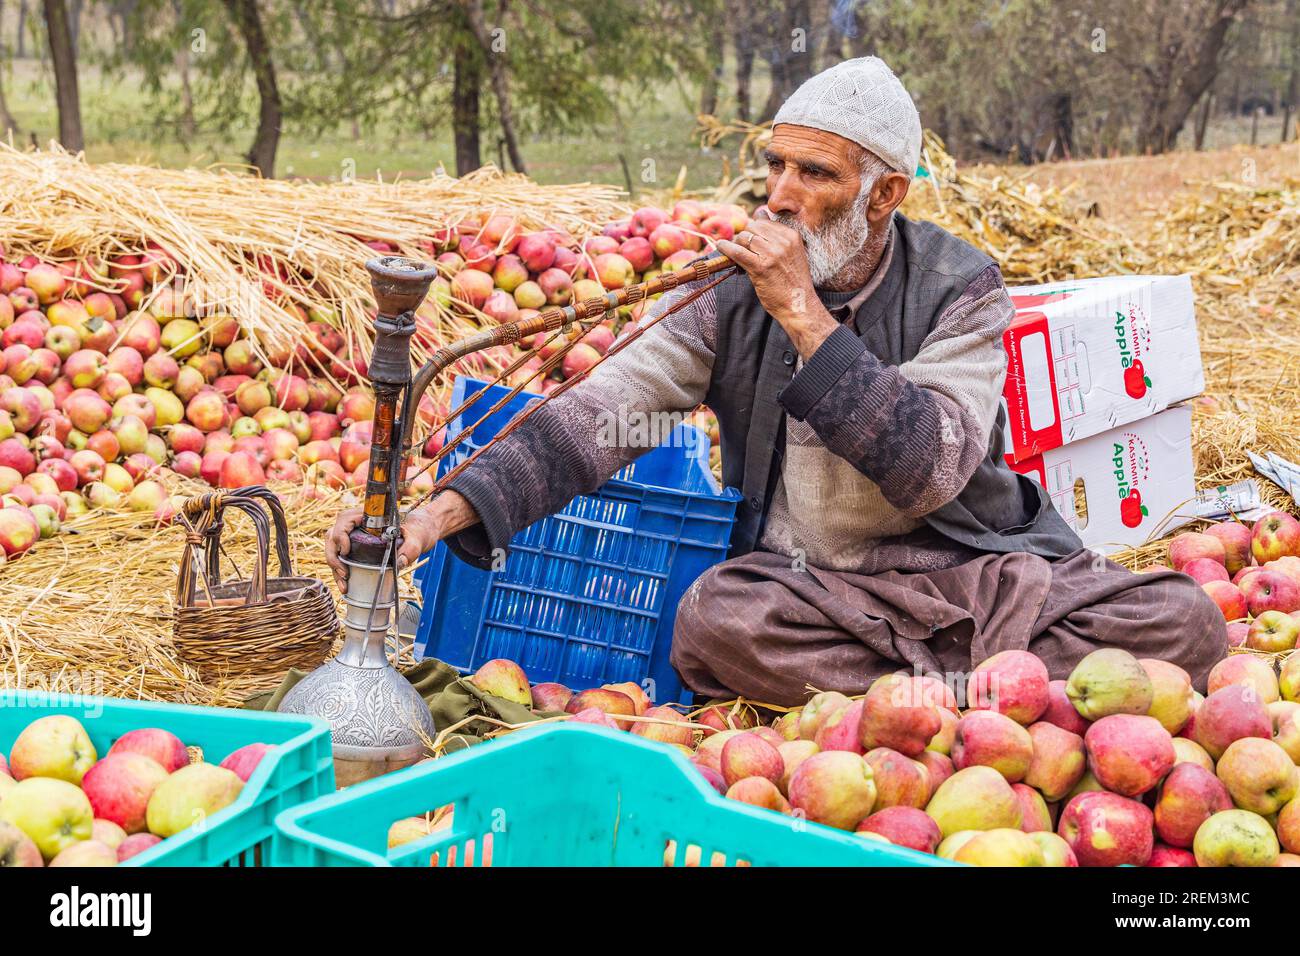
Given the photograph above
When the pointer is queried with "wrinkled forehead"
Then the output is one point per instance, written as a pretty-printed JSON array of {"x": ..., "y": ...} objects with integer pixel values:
[{"x": 817, "y": 148}]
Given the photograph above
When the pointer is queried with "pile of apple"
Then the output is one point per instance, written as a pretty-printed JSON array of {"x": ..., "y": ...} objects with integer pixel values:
[
  {"x": 110, "y": 383},
  {"x": 104, "y": 396},
  {"x": 1124, "y": 763},
  {"x": 63, "y": 805},
  {"x": 1253, "y": 575}
]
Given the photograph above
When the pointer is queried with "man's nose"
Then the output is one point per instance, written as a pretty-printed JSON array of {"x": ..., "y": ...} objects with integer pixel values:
[{"x": 783, "y": 195}]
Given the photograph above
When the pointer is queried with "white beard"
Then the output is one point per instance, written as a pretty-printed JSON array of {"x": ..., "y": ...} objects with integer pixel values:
[{"x": 840, "y": 241}]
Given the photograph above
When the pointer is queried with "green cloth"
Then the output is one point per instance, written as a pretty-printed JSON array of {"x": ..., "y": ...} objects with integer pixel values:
[{"x": 451, "y": 699}]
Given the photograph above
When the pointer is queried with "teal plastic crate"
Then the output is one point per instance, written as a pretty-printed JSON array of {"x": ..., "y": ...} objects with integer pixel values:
[
  {"x": 301, "y": 768},
  {"x": 564, "y": 795}
]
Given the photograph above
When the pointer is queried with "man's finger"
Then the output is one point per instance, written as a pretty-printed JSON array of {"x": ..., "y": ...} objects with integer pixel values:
[{"x": 738, "y": 254}]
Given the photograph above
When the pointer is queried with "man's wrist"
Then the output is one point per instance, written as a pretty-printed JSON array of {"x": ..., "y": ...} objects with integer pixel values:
[{"x": 809, "y": 326}]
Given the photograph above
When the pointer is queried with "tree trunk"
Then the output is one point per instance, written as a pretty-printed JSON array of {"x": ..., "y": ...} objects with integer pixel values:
[
  {"x": 21, "y": 52},
  {"x": 65, "y": 75},
  {"x": 1179, "y": 91},
  {"x": 1063, "y": 123},
  {"x": 1293, "y": 84},
  {"x": 465, "y": 111},
  {"x": 266, "y": 142},
  {"x": 188, "y": 127},
  {"x": 499, "y": 75},
  {"x": 75, "y": 8},
  {"x": 1203, "y": 121},
  {"x": 709, "y": 88},
  {"x": 744, "y": 41},
  {"x": 7, "y": 122},
  {"x": 790, "y": 66}
]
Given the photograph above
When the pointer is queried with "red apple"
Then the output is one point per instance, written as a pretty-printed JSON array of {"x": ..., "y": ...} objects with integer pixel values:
[{"x": 1106, "y": 829}]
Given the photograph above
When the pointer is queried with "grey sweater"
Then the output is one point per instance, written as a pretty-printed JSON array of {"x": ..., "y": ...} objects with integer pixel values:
[{"x": 873, "y": 451}]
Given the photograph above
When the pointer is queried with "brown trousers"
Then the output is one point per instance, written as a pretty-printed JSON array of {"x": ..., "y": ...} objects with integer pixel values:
[{"x": 756, "y": 626}]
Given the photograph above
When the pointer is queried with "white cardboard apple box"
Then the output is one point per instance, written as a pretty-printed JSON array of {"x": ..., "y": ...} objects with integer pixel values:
[
  {"x": 1125, "y": 486},
  {"x": 1088, "y": 355}
]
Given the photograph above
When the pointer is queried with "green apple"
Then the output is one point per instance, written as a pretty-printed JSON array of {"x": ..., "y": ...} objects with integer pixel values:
[
  {"x": 1235, "y": 838},
  {"x": 54, "y": 813},
  {"x": 56, "y": 746},
  {"x": 976, "y": 798},
  {"x": 1109, "y": 681},
  {"x": 189, "y": 796}
]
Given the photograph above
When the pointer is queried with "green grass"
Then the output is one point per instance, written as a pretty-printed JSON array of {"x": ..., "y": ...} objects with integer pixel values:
[{"x": 655, "y": 138}]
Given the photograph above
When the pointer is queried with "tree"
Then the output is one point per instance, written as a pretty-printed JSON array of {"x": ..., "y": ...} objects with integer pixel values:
[
  {"x": 7, "y": 122},
  {"x": 65, "y": 75},
  {"x": 248, "y": 21}
]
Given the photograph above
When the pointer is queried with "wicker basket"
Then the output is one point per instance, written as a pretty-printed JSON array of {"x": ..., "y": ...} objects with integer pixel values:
[{"x": 258, "y": 625}]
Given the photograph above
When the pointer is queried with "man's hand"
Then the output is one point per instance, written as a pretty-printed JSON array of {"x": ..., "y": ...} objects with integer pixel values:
[
  {"x": 773, "y": 256},
  {"x": 421, "y": 530}
]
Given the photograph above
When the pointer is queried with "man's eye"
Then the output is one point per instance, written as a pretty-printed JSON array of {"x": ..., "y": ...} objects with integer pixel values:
[{"x": 773, "y": 165}]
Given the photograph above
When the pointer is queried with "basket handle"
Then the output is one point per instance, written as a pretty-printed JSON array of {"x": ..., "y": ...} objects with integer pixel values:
[
  {"x": 272, "y": 502},
  {"x": 203, "y": 515}
]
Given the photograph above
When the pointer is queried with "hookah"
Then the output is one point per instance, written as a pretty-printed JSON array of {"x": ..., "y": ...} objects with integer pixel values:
[{"x": 378, "y": 720}]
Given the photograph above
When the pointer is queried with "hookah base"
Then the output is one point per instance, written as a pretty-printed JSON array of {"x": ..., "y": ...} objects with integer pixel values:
[{"x": 377, "y": 720}]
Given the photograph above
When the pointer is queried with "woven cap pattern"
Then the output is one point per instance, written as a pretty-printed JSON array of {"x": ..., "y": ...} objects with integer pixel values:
[{"x": 863, "y": 101}]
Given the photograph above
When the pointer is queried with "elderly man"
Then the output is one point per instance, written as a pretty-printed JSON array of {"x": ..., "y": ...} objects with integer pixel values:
[{"x": 855, "y": 367}]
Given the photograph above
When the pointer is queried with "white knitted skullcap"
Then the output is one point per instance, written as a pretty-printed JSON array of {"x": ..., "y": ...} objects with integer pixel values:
[{"x": 863, "y": 101}]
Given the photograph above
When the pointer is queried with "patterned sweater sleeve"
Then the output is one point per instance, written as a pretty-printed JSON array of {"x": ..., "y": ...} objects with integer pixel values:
[
  {"x": 919, "y": 430},
  {"x": 579, "y": 439}
]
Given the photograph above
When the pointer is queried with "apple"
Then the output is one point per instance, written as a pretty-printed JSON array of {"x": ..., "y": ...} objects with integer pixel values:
[
  {"x": 1236, "y": 540},
  {"x": 1274, "y": 536},
  {"x": 900, "y": 780},
  {"x": 1205, "y": 570},
  {"x": 1106, "y": 829},
  {"x": 16, "y": 847},
  {"x": 976, "y": 798},
  {"x": 833, "y": 788},
  {"x": 1285, "y": 717},
  {"x": 135, "y": 844},
  {"x": 1061, "y": 710},
  {"x": 1109, "y": 681},
  {"x": 1288, "y": 827},
  {"x": 1235, "y": 838},
  {"x": 1034, "y": 814},
  {"x": 119, "y": 788},
  {"x": 1014, "y": 683},
  {"x": 1059, "y": 760},
  {"x": 635, "y": 692},
  {"x": 505, "y": 679},
  {"x": 1000, "y": 847},
  {"x": 1259, "y": 775},
  {"x": 107, "y": 832},
  {"x": 56, "y": 746},
  {"x": 758, "y": 792},
  {"x": 990, "y": 739},
  {"x": 1191, "y": 545},
  {"x": 161, "y": 746},
  {"x": 787, "y": 725},
  {"x": 1172, "y": 697},
  {"x": 86, "y": 853},
  {"x": 939, "y": 767},
  {"x": 551, "y": 697},
  {"x": 1189, "y": 751},
  {"x": 1273, "y": 632},
  {"x": 896, "y": 713},
  {"x": 1056, "y": 852},
  {"x": 1247, "y": 671},
  {"x": 941, "y": 742},
  {"x": 1188, "y": 797},
  {"x": 904, "y": 826},
  {"x": 612, "y": 702},
  {"x": 819, "y": 707},
  {"x": 749, "y": 755},
  {"x": 793, "y": 753},
  {"x": 54, "y": 813},
  {"x": 1162, "y": 855},
  {"x": 842, "y": 729},
  {"x": 1288, "y": 681},
  {"x": 1229, "y": 714},
  {"x": 1228, "y": 597},
  {"x": 1267, "y": 590},
  {"x": 190, "y": 795},
  {"x": 246, "y": 759},
  {"x": 1129, "y": 754}
]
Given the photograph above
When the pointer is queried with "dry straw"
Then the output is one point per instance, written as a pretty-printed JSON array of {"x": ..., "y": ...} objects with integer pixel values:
[{"x": 91, "y": 608}]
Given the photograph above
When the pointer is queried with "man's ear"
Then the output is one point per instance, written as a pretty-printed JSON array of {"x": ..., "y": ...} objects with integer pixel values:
[{"x": 887, "y": 195}]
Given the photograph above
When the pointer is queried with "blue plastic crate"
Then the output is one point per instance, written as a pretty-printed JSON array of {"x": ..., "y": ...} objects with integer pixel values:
[
  {"x": 587, "y": 596},
  {"x": 565, "y": 795},
  {"x": 300, "y": 768}
]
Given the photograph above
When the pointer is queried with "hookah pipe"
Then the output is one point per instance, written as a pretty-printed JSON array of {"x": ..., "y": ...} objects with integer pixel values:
[{"x": 378, "y": 721}]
